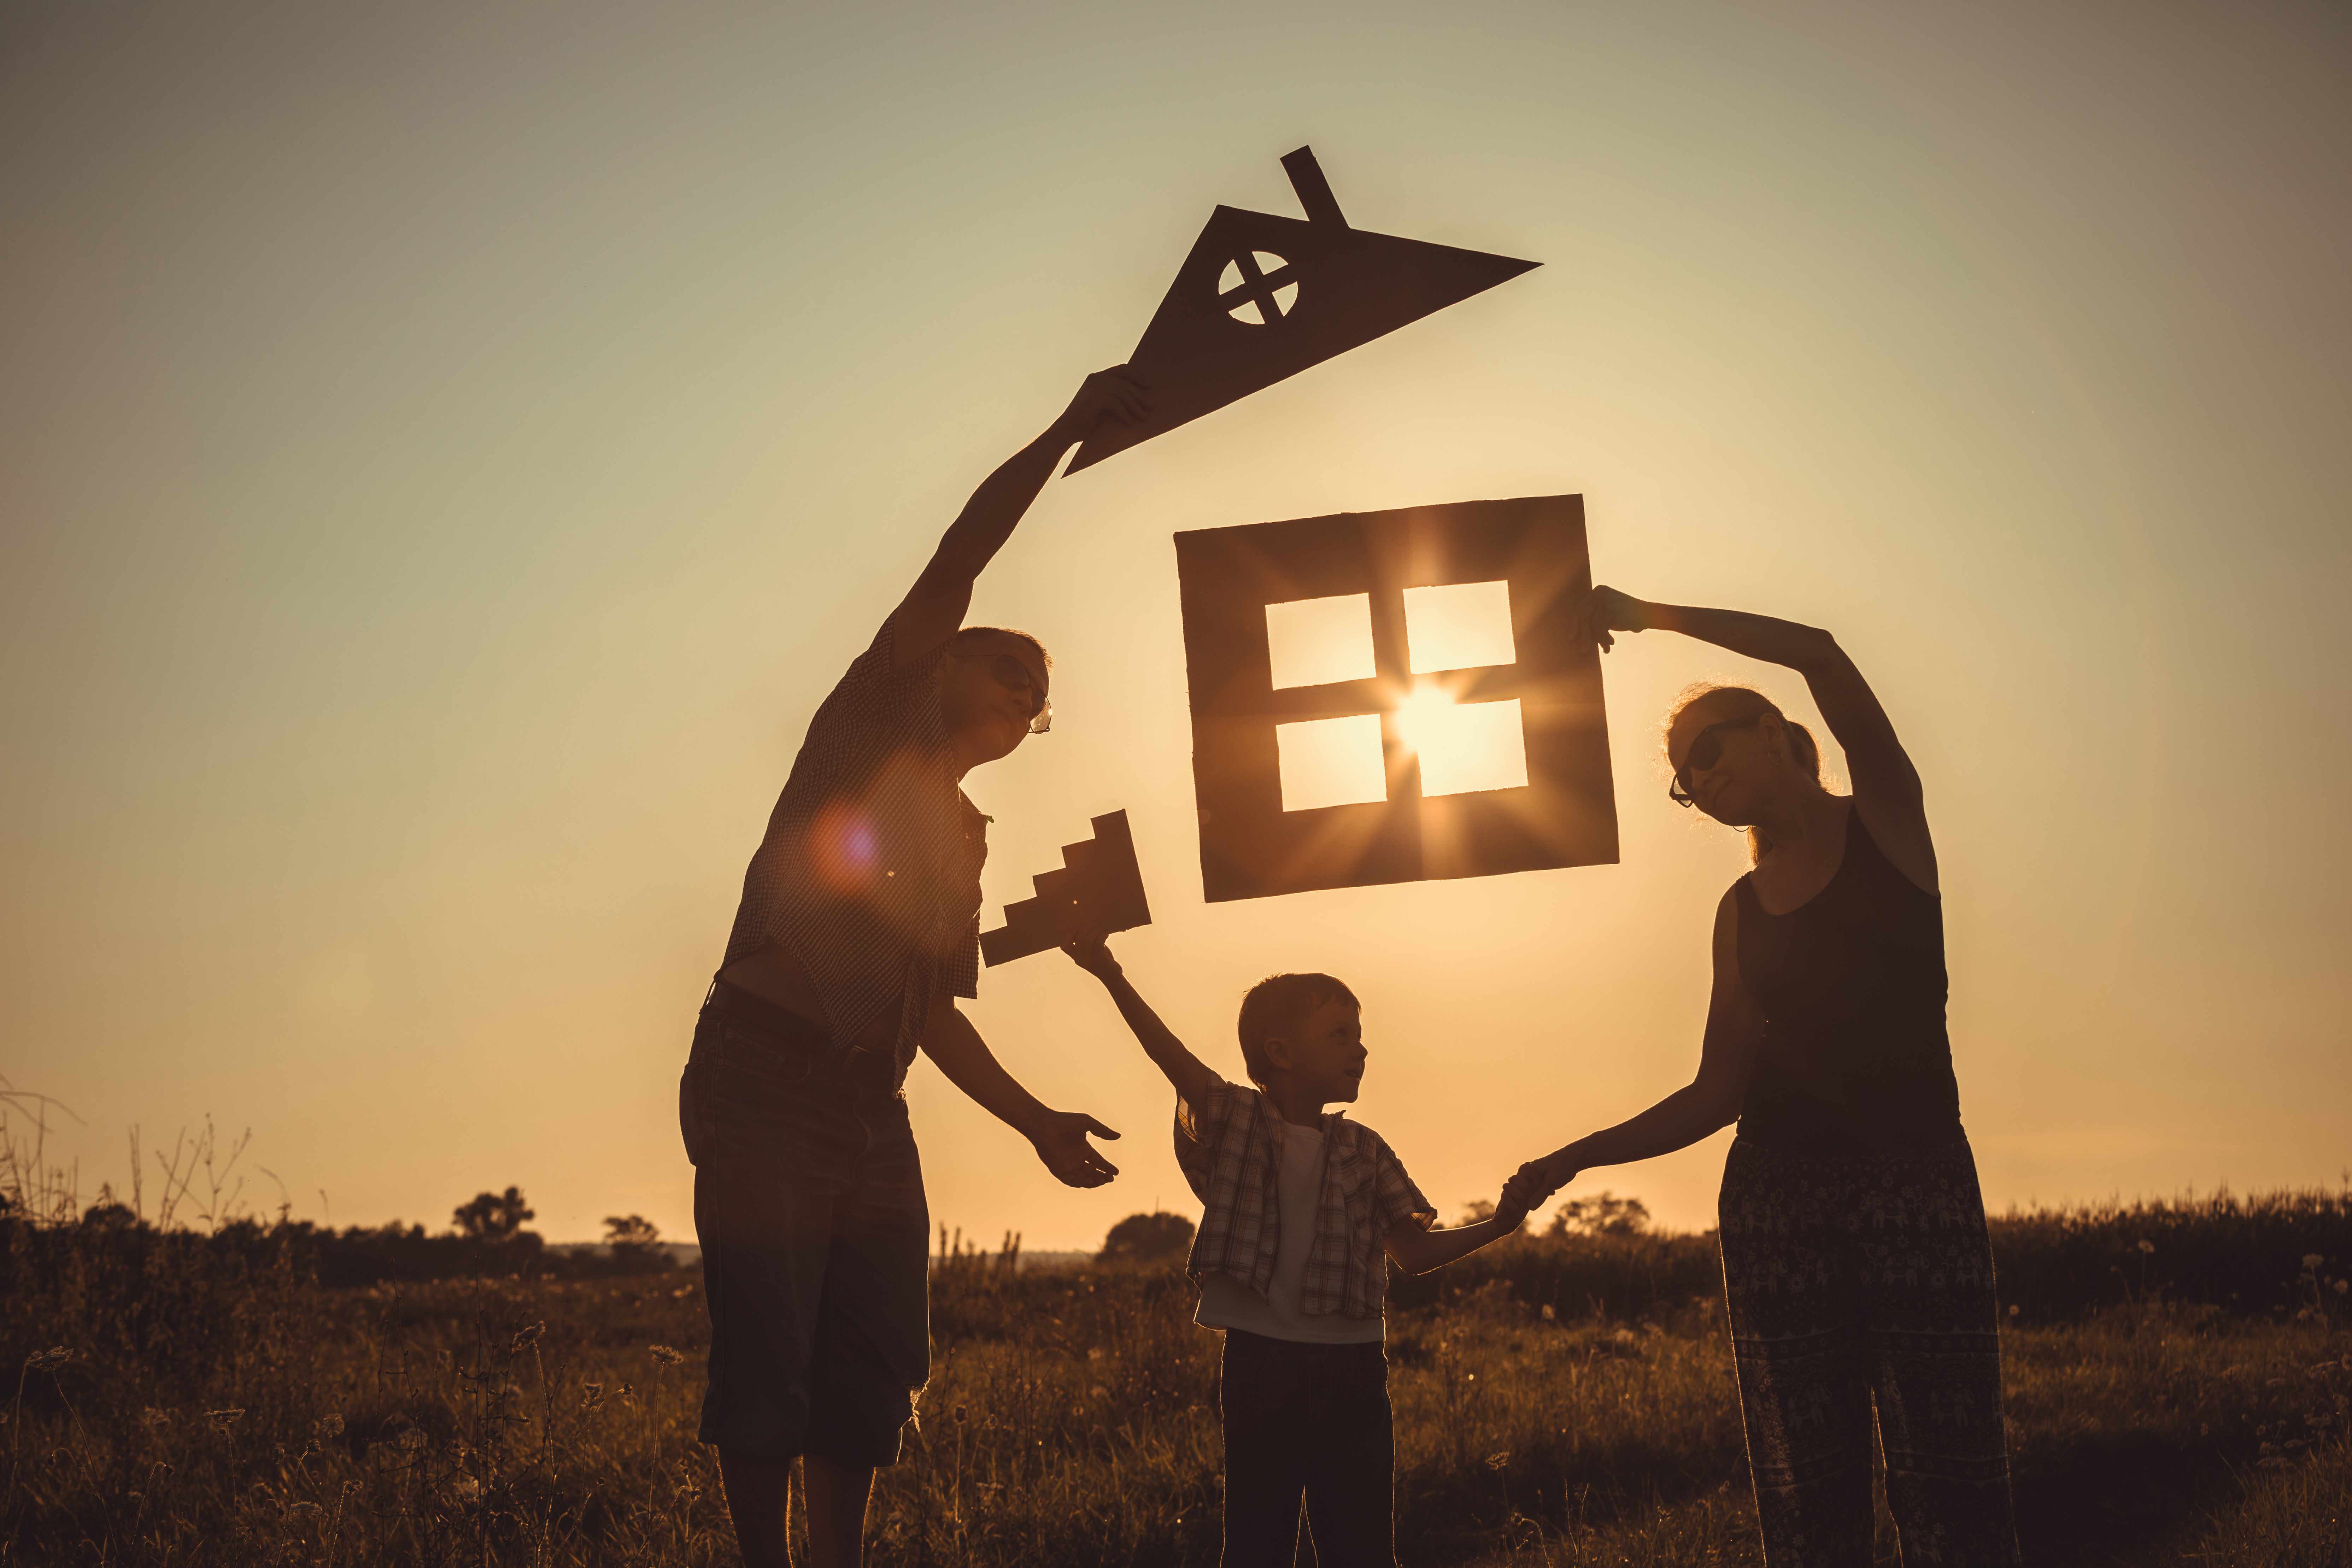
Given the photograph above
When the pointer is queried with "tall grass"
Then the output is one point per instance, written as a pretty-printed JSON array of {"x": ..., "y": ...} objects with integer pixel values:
[{"x": 180, "y": 1400}]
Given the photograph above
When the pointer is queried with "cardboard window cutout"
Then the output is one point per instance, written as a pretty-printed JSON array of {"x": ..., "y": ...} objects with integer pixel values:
[
  {"x": 1261, "y": 298},
  {"x": 1099, "y": 888},
  {"x": 1465, "y": 811}
]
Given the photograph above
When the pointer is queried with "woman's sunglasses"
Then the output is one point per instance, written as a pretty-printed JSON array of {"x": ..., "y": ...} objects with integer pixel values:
[
  {"x": 1706, "y": 751},
  {"x": 1013, "y": 676}
]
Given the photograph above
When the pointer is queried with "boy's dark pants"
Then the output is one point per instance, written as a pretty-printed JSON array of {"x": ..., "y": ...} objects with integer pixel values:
[{"x": 1309, "y": 1420}]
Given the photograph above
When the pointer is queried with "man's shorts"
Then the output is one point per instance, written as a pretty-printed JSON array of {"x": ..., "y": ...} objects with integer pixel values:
[{"x": 808, "y": 1196}]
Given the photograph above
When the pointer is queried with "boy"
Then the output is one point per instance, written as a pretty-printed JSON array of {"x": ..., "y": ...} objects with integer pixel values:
[{"x": 1303, "y": 1211}]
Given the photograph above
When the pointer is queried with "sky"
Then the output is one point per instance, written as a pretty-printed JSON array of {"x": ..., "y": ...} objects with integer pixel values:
[{"x": 447, "y": 451}]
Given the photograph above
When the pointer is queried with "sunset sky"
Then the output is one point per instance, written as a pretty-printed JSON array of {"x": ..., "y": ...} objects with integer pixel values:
[{"x": 447, "y": 451}]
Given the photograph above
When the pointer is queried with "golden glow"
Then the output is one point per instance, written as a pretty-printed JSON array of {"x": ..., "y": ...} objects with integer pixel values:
[
  {"x": 1463, "y": 746},
  {"x": 446, "y": 499}
]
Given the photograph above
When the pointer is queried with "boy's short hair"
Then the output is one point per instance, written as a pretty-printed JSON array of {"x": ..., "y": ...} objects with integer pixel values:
[{"x": 1278, "y": 1004}]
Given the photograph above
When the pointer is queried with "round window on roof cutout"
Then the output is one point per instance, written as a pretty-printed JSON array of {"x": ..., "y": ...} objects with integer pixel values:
[{"x": 1258, "y": 289}]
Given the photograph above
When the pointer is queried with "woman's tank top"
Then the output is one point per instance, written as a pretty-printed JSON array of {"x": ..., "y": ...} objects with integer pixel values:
[{"x": 1855, "y": 1059}]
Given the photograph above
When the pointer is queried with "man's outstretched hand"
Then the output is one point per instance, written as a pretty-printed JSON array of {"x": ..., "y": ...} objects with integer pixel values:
[
  {"x": 1115, "y": 393},
  {"x": 1060, "y": 1138}
]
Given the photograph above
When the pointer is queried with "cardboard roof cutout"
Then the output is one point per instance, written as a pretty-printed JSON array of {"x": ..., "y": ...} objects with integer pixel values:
[
  {"x": 1099, "y": 888},
  {"x": 1564, "y": 814},
  {"x": 1261, "y": 298}
]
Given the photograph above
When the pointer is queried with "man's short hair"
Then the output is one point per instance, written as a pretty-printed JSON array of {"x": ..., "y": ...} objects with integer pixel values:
[
  {"x": 1044, "y": 658},
  {"x": 1278, "y": 1005}
]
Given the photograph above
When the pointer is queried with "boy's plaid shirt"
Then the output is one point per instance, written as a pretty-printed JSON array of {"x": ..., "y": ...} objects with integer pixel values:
[{"x": 1228, "y": 1147}]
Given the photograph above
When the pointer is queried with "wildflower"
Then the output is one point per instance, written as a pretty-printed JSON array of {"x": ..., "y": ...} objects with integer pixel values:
[
  {"x": 1098, "y": 1391},
  {"x": 327, "y": 1426},
  {"x": 2340, "y": 1286},
  {"x": 2146, "y": 1246},
  {"x": 223, "y": 1421},
  {"x": 152, "y": 1417},
  {"x": 668, "y": 1356},
  {"x": 960, "y": 1414},
  {"x": 42, "y": 1361},
  {"x": 524, "y": 1336},
  {"x": 1551, "y": 1313},
  {"x": 2312, "y": 1260},
  {"x": 411, "y": 1438},
  {"x": 1497, "y": 1461},
  {"x": 592, "y": 1395},
  {"x": 1095, "y": 1353},
  {"x": 627, "y": 1394},
  {"x": 2013, "y": 1309}
]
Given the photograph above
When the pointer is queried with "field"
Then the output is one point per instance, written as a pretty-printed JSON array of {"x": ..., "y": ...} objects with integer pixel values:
[{"x": 2177, "y": 1379}]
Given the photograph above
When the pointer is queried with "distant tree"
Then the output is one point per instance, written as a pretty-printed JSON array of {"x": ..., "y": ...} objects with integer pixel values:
[
  {"x": 493, "y": 1216},
  {"x": 1477, "y": 1211},
  {"x": 1146, "y": 1238},
  {"x": 1603, "y": 1214},
  {"x": 635, "y": 1240}
]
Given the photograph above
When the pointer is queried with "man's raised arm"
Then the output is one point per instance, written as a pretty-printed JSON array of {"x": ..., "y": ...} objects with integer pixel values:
[{"x": 934, "y": 607}]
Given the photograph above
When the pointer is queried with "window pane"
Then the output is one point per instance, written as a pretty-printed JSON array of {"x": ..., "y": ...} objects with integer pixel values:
[
  {"x": 1317, "y": 641},
  {"x": 1461, "y": 625},
  {"x": 1331, "y": 761},
  {"x": 1467, "y": 746}
]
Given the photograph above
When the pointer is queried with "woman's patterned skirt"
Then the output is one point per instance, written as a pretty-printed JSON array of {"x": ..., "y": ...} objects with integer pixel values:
[{"x": 1857, "y": 1284}]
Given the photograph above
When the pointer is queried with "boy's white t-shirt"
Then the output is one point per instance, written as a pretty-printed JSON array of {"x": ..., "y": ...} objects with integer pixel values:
[{"x": 1229, "y": 1303}]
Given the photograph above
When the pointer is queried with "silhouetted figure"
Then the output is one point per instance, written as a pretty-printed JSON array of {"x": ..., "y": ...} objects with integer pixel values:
[
  {"x": 1855, "y": 1259},
  {"x": 858, "y": 929},
  {"x": 1302, "y": 1212}
]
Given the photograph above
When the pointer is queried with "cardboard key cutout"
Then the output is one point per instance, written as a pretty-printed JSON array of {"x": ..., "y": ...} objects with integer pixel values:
[
  {"x": 1098, "y": 889},
  {"x": 1261, "y": 297},
  {"x": 1417, "y": 812}
]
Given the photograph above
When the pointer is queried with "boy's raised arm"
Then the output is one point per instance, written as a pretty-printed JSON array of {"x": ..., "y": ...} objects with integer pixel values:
[{"x": 1192, "y": 1077}]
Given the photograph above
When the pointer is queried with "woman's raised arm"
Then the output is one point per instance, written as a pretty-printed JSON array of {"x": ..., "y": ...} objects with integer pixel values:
[{"x": 1886, "y": 788}]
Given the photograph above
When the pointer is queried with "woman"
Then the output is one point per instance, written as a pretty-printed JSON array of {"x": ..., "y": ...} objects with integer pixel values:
[{"x": 1855, "y": 1259}]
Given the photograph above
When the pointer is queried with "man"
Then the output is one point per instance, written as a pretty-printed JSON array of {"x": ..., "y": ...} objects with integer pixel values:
[{"x": 859, "y": 928}]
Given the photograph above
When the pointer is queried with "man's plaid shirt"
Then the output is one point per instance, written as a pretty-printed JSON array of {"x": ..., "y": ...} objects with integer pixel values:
[{"x": 1227, "y": 1145}]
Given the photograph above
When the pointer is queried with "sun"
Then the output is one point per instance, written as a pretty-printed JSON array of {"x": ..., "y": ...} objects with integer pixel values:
[
  {"x": 1421, "y": 717},
  {"x": 1463, "y": 747}
]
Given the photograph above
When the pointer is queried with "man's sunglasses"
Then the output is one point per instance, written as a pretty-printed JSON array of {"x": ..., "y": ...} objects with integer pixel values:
[
  {"x": 1013, "y": 676},
  {"x": 1705, "y": 751}
]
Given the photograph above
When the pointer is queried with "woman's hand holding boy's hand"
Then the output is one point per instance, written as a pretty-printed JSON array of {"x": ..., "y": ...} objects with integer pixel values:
[
  {"x": 1091, "y": 952},
  {"x": 1540, "y": 1178},
  {"x": 1519, "y": 1197}
]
